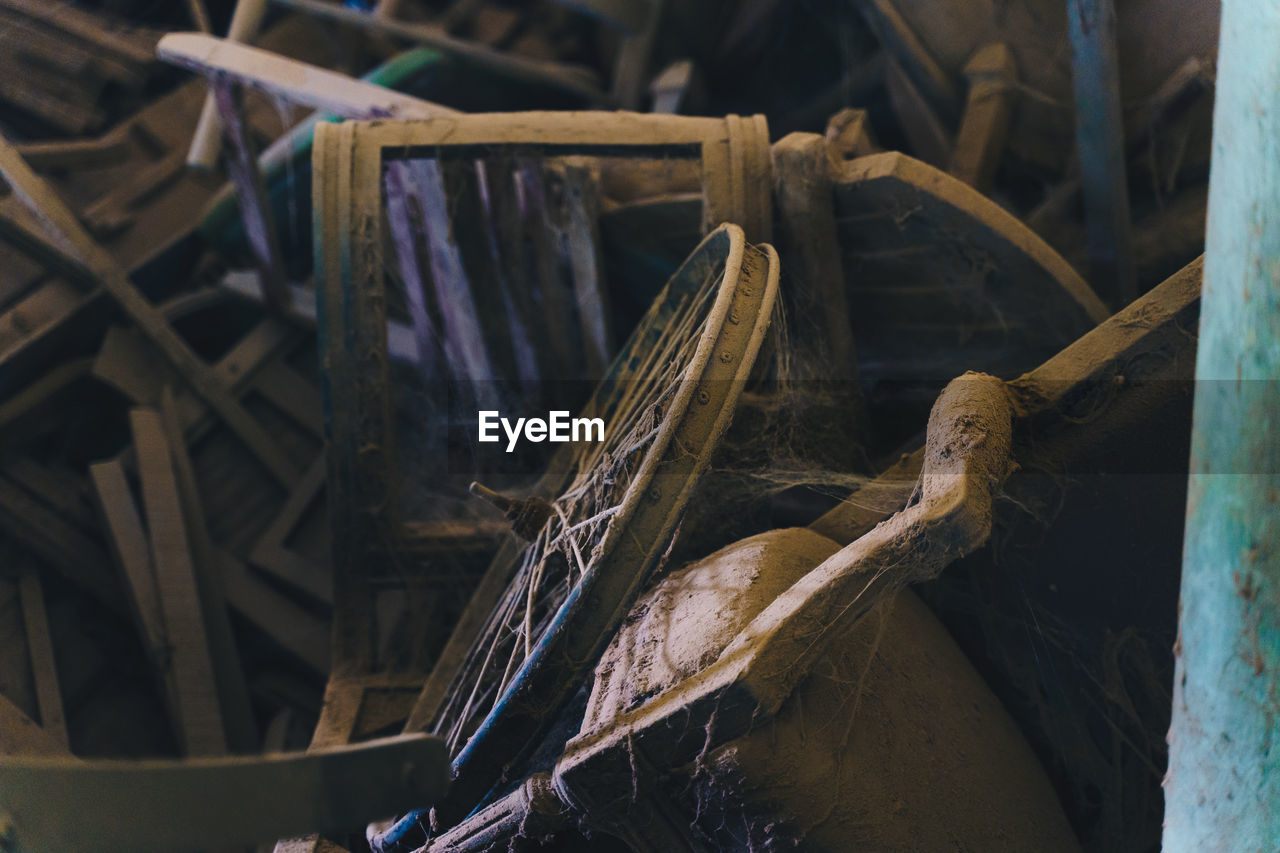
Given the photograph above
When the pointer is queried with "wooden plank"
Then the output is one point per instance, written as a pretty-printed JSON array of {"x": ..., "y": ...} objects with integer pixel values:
[
  {"x": 554, "y": 319},
  {"x": 110, "y": 149},
  {"x": 199, "y": 15},
  {"x": 581, "y": 231},
  {"x": 79, "y": 559},
  {"x": 509, "y": 261},
  {"x": 86, "y": 26},
  {"x": 898, "y": 38},
  {"x": 246, "y": 21},
  {"x": 1100, "y": 141},
  {"x": 129, "y": 363},
  {"x": 405, "y": 224},
  {"x": 55, "y": 108},
  {"x": 343, "y": 698},
  {"x": 67, "y": 62},
  {"x": 464, "y": 338},
  {"x": 572, "y": 79},
  {"x": 483, "y": 599},
  {"x": 295, "y": 629},
  {"x": 678, "y": 88},
  {"x": 59, "y": 489},
  {"x": 503, "y": 334},
  {"x": 115, "y": 211},
  {"x": 293, "y": 81},
  {"x": 237, "y": 713},
  {"x": 984, "y": 127},
  {"x": 270, "y": 552},
  {"x": 199, "y": 708},
  {"x": 302, "y": 313},
  {"x": 1185, "y": 85},
  {"x": 44, "y": 670},
  {"x": 132, "y": 552},
  {"x": 161, "y": 225},
  {"x": 19, "y": 734},
  {"x": 1060, "y": 388},
  {"x": 903, "y": 223},
  {"x": 803, "y": 189},
  {"x": 360, "y": 486},
  {"x": 40, "y": 392},
  {"x": 255, "y": 209},
  {"x": 46, "y": 205},
  {"x": 947, "y": 281},
  {"x": 734, "y": 149},
  {"x": 631, "y": 69},
  {"x": 928, "y": 136},
  {"x": 217, "y": 802},
  {"x": 292, "y": 393},
  {"x": 25, "y": 233}
]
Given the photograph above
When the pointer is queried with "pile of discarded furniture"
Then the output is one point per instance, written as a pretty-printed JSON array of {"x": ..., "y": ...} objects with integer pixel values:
[{"x": 838, "y": 563}]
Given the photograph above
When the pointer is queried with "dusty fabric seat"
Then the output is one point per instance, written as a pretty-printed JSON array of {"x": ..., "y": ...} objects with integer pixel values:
[{"x": 891, "y": 743}]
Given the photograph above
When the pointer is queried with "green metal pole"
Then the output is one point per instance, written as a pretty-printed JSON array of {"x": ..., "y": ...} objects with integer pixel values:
[{"x": 1222, "y": 791}]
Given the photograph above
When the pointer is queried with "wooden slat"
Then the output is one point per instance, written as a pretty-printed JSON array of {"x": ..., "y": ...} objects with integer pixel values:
[
  {"x": 849, "y": 135},
  {"x": 984, "y": 127},
  {"x": 69, "y": 552},
  {"x": 59, "y": 489},
  {"x": 922, "y": 125},
  {"x": 582, "y": 241},
  {"x": 255, "y": 209},
  {"x": 292, "y": 393},
  {"x": 44, "y": 671},
  {"x": 132, "y": 552},
  {"x": 164, "y": 805},
  {"x": 404, "y": 225},
  {"x": 360, "y": 486},
  {"x": 237, "y": 714},
  {"x": 898, "y": 38},
  {"x": 109, "y": 150},
  {"x": 811, "y": 248},
  {"x": 297, "y": 631},
  {"x": 530, "y": 178},
  {"x": 302, "y": 313},
  {"x": 19, "y": 734},
  {"x": 246, "y": 21},
  {"x": 199, "y": 709},
  {"x": 46, "y": 205},
  {"x": 574, "y": 80},
  {"x": 631, "y": 69},
  {"x": 293, "y": 81},
  {"x": 83, "y": 25},
  {"x": 509, "y": 263},
  {"x": 129, "y": 363},
  {"x": 270, "y": 552},
  {"x": 464, "y": 339}
]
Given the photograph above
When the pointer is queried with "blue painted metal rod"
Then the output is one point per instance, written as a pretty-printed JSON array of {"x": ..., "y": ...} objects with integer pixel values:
[
  {"x": 1095, "y": 72},
  {"x": 1222, "y": 791}
]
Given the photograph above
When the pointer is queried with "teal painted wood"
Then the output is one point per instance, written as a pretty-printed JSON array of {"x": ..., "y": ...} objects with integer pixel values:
[
  {"x": 284, "y": 165},
  {"x": 1222, "y": 791}
]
